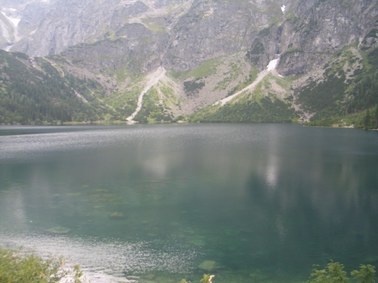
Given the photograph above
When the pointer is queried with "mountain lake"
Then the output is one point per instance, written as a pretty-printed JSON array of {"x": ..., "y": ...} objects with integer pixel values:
[{"x": 158, "y": 203}]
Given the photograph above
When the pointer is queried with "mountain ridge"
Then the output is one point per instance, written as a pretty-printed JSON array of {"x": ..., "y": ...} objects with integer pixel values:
[{"x": 212, "y": 50}]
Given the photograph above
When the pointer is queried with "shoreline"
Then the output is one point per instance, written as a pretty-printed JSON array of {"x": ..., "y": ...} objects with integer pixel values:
[{"x": 125, "y": 123}]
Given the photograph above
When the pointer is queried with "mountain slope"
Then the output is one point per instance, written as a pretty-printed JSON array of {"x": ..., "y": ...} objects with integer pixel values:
[
  {"x": 48, "y": 27},
  {"x": 325, "y": 54},
  {"x": 34, "y": 91}
]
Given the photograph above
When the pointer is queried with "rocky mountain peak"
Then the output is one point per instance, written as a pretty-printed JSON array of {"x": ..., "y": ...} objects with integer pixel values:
[
  {"x": 210, "y": 51},
  {"x": 47, "y": 27}
]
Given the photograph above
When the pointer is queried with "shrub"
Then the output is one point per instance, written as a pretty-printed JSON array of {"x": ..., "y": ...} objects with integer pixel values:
[
  {"x": 17, "y": 268},
  {"x": 334, "y": 273},
  {"x": 366, "y": 274}
]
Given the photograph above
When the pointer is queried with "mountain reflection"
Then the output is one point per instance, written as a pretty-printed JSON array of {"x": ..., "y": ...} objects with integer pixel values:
[{"x": 274, "y": 198}]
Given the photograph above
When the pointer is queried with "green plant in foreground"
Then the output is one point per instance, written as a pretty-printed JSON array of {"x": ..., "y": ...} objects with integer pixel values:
[
  {"x": 77, "y": 274},
  {"x": 334, "y": 273},
  {"x": 366, "y": 274},
  {"x": 16, "y": 268},
  {"x": 206, "y": 278},
  {"x": 19, "y": 269}
]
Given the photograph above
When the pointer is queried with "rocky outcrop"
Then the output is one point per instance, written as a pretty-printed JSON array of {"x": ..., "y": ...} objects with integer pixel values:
[
  {"x": 135, "y": 49},
  {"x": 49, "y": 27},
  {"x": 313, "y": 32},
  {"x": 217, "y": 28}
]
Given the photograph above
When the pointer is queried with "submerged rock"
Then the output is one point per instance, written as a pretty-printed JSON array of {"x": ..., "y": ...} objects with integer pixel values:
[
  {"x": 117, "y": 215},
  {"x": 208, "y": 265},
  {"x": 58, "y": 230}
]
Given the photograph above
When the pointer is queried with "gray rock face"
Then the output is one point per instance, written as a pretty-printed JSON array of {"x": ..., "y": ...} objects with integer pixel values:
[
  {"x": 313, "y": 32},
  {"x": 49, "y": 27},
  {"x": 64, "y": 24},
  {"x": 217, "y": 28},
  {"x": 136, "y": 49},
  {"x": 305, "y": 32}
]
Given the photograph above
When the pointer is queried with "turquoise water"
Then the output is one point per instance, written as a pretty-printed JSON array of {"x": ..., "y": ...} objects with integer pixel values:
[{"x": 248, "y": 203}]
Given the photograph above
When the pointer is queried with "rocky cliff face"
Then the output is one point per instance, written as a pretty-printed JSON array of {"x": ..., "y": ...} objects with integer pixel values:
[
  {"x": 312, "y": 32},
  {"x": 216, "y": 28},
  {"x": 47, "y": 27},
  {"x": 207, "y": 49}
]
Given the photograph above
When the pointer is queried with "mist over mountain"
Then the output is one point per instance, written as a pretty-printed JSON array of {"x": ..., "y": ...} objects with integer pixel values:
[{"x": 167, "y": 60}]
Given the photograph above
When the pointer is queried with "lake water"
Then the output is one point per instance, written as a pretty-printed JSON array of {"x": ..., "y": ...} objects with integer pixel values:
[{"x": 248, "y": 203}]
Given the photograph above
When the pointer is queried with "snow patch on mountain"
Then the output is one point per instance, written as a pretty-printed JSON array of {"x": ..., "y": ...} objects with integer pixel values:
[
  {"x": 9, "y": 22},
  {"x": 272, "y": 64},
  {"x": 11, "y": 15},
  {"x": 270, "y": 68},
  {"x": 283, "y": 9},
  {"x": 4, "y": 28}
]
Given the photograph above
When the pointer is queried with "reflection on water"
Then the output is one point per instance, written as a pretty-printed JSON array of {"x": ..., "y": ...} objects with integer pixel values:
[{"x": 247, "y": 202}]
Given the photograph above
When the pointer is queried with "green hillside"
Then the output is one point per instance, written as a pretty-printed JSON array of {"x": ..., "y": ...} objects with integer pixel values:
[{"x": 35, "y": 92}]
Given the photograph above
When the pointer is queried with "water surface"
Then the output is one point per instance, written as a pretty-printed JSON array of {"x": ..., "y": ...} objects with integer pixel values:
[{"x": 249, "y": 203}]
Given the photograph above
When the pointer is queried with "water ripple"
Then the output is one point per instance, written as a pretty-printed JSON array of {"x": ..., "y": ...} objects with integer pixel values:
[{"x": 104, "y": 261}]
